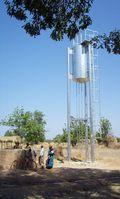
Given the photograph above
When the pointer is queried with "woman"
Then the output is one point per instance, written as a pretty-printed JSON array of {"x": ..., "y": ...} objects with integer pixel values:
[{"x": 50, "y": 159}]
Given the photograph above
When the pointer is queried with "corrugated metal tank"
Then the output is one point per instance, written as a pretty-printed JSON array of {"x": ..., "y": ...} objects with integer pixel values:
[{"x": 80, "y": 63}]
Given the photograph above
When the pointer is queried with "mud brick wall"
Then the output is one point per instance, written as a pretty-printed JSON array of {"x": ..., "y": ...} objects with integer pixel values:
[{"x": 7, "y": 156}]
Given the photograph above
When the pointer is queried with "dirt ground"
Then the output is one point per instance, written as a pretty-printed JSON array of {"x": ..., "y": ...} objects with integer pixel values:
[{"x": 73, "y": 180}]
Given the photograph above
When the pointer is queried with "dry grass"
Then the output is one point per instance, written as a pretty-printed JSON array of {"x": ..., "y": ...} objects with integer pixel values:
[
  {"x": 105, "y": 157},
  {"x": 68, "y": 180}
]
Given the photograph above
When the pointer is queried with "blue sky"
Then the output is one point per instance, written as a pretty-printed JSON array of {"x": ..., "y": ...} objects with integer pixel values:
[{"x": 33, "y": 70}]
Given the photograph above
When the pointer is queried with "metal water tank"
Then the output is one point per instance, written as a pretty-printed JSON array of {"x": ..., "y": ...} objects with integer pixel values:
[{"x": 80, "y": 63}]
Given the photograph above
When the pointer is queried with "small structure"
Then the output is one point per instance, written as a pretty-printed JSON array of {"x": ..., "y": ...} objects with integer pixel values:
[{"x": 9, "y": 141}]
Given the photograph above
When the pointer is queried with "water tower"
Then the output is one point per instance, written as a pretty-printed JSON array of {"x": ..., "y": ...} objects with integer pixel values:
[{"x": 83, "y": 72}]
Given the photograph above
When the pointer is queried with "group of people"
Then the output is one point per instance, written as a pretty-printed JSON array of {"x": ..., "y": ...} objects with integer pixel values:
[{"x": 50, "y": 156}]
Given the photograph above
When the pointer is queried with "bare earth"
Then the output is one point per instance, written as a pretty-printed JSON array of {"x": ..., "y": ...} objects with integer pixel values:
[{"x": 74, "y": 180}]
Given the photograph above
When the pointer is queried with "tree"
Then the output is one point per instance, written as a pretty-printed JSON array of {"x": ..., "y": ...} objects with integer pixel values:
[
  {"x": 104, "y": 130},
  {"x": 9, "y": 133},
  {"x": 111, "y": 42},
  {"x": 62, "y": 17},
  {"x": 77, "y": 132},
  {"x": 28, "y": 125}
]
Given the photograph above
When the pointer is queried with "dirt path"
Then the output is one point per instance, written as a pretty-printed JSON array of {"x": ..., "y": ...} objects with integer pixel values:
[{"x": 63, "y": 183}]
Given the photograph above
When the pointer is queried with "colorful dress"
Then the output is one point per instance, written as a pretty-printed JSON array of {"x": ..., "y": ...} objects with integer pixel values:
[{"x": 50, "y": 160}]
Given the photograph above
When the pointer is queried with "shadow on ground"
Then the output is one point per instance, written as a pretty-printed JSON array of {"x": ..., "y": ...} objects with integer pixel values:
[{"x": 63, "y": 183}]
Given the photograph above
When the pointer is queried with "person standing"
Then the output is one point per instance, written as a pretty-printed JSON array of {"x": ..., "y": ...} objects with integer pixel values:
[
  {"x": 50, "y": 159},
  {"x": 41, "y": 157}
]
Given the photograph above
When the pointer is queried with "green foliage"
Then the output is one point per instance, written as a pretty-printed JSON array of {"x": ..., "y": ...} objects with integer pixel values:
[
  {"x": 105, "y": 127},
  {"x": 60, "y": 16},
  {"x": 63, "y": 18},
  {"x": 9, "y": 133},
  {"x": 111, "y": 42},
  {"x": 58, "y": 138},
  {"x": 77, "y": 132},
  {"x": 104, "y": 130},
  {"x": 28, "y": 125},
  {"x": 118, "y": 139},
  {"x": 61, "y": 138}
]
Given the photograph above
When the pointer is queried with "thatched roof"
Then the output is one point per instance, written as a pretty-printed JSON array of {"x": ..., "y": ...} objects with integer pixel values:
[{"x": 10, "y": 139}]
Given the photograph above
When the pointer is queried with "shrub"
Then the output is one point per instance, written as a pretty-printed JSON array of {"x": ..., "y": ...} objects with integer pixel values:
[
  {"x": 118, "y": 139},
  {"x": 110, "y": 141}
]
